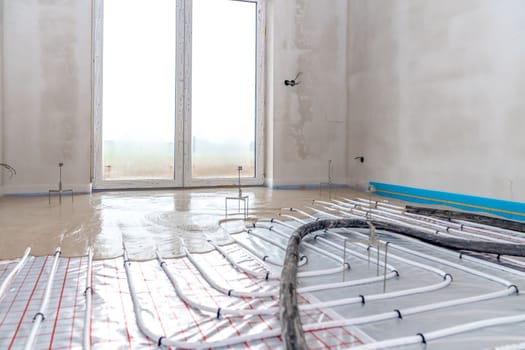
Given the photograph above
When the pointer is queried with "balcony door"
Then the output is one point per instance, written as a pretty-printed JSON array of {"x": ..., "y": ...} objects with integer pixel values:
[{"x": 177, "y": 93}]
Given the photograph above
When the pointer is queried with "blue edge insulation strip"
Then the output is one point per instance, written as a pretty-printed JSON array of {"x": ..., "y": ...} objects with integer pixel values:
[{"x": 507, "y": 209}]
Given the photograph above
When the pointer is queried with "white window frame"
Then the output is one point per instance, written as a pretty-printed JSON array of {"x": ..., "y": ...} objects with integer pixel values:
[{"x": 183, "y": 166}]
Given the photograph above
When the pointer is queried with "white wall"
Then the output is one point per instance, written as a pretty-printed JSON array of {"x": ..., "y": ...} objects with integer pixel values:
[
  {"x": 307, "y": 123},
  {"x": 47, "y": 93},
  {"x": 436, "y": 95}
]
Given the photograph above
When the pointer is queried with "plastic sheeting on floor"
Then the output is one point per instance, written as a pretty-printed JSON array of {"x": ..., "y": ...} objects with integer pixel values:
[{"x": 113, "y": 321}]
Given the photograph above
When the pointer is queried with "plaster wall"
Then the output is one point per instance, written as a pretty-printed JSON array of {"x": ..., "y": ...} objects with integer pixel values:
[
  {"x": 1, "y": 94},
  {"x": 47, "y": 93},
  {"x": 435, "y": 97},
  {"x": 306, "y": 123}
]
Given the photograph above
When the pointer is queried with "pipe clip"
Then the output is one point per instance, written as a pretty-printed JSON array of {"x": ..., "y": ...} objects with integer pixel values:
[
  {"x": 39, "y": 314},
  {"x": 423, "y": 339},
  {"x": 159, "y": 343},
  {"x": 448, "y": 275},
  {"x": 362, "y": 298},
  {"x": 88, "y": 289},
  {"x": 398, "y": 314},
  {"x": 515, "y": 287},
  {"x": 218, "y": 313}
]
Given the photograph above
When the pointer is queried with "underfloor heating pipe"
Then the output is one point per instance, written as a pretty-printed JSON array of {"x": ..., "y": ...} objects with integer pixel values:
[
  {"x": 303, "y": 259},
  {"x": 432, "y": 258},
  {"x": 227, "y": 291},
  {"x": 424, "y": 338},
  {"x": 14, "y": 272},
  {"x": 438, "y": 225},
  {"x": 163, "y": 341},
  {"x": 309, "y": 245},
  {"x": 39, "y": 316},
  {"x": 265, "y": 275},
  {"x": 88, "y": 294},
  {"x": 447, "y": 279},
  {"x": 218, "y": 311},
  {"x": 442, "y": 261},
  {"x": 442, "y": 239},
  {"x": 515, "y": 346},
  {"x": 263, "y": 257},
  {"x": 410, "y": 211},
  {"x": 508, "y": 236},
  {"x": 312, "y": 288},
  {"x": 270, "y": 228}
]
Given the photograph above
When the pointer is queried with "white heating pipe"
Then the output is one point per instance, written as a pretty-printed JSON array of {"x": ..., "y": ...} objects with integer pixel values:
[
  {"x": 266, "y": 275},
  {"x": 88, "y": 293},
  {"x": 441, "y": 333},
  {"x": 476, "y": 232},
  {"x": 447, "y": 279},
  {"x": 39, "y": 316},
  {"x": 162, "y": 341},
  {"x": 14, "y": 272},
  {"x": 517, "y": 346},
  {"x": 432, "y": 258},
  {"x": 303, "y": 259},
  {"x": 230, "y": 292},
  {"x": 446, "y": 262},
  {"x": 213, "y": 309},
  {"x": 461, "y": 224},
  {"x": 264, "y": 258},
  {"x": 329, "y": 255},
  {"x": 441, "y": 226}
]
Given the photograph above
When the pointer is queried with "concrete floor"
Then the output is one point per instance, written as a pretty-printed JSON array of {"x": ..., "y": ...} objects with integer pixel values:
[{"x": 142, "y": 220}]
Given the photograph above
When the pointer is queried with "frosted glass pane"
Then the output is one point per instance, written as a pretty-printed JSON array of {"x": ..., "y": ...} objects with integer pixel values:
[
  {"x": 223, "y": 88},
  {"x": 138, "y": 89}
]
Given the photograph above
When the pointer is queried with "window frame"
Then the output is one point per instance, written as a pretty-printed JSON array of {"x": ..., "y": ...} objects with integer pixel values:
[{"x": 183, "y": 168}]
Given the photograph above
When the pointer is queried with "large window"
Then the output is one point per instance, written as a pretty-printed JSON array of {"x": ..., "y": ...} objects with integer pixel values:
[{"x": 178, "y": 92}]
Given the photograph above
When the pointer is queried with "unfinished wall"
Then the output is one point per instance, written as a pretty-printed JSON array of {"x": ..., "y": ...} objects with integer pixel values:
[
  {"x": 47, "y": 93},
  {"x": 306, "y": 124},
  {"x": 1, "y": 94},
  {"x": 436, "y": 95}
]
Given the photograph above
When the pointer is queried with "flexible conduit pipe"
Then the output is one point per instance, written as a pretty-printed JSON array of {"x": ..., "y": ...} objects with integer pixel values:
[
  {"x": 266, "y": 275},
  {"x": 492, "y": 221},
  {"x": 88, "y": 293},
  {"x": 163, "y": 341},
  {"x": 39, "y": 316},
  {"x": 223, "y": 290},
  {"x": 463, "y": 224},
  {"x": 311, "y": 246},
  {"x": 450, "y": 242},
  {"x": 442, "y": 261},
  {"x": 14, "y": 272},
  {"x": 441, "y": 228},
  {"x": 291, "y": 327},
  {"x": 302, "y": 260},
  {"x": 284, "y": 235},
  {"x": 465, "y": 227},
  {"x": 435, "y": 259},
  {"x": 424, "y": 338}
]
